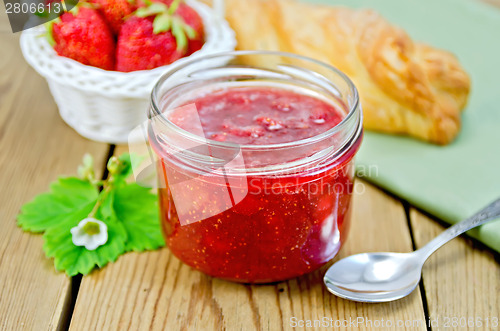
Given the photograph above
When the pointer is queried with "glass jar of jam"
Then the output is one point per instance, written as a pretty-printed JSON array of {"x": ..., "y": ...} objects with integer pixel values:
[{"x": 256, "y": 167}]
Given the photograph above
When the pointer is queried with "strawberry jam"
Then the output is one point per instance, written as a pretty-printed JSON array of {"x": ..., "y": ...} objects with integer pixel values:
[
  {"x": 258, "y": 116},
  {"x": 276, "y": 224}
]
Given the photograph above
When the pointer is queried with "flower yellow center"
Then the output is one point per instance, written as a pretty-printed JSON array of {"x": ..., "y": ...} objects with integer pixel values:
[{"x": 91, "y": 228}]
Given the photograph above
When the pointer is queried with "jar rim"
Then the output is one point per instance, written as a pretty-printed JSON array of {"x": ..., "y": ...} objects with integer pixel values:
[{"x": 182, "y": 64}]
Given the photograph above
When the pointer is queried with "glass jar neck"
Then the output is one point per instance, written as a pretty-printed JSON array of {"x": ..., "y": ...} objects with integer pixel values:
[{"x": 198, "y": 153}]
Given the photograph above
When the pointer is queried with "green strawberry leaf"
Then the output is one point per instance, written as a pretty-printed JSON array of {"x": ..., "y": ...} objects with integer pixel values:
[
  {"x": 180, "y": 36},
  {"x": 49, "y": 33},
  {"x": 137, "y": 209},
  {"x": 129, "y": 211},
  {"x": 162, "y": 23},
  {"x": 129, "y": 162},
  {"x": 57, "y": 233},
  {"x": 173, "y": 6},
  {"x": 106, "y": 210},
  {"x": 142, "y": 12},
  {"x": 58, "y": 243},
  {"x": 66, "y": 196},
  {"x": 153, "y": 9},
  {"x": 190, "y": 32}
]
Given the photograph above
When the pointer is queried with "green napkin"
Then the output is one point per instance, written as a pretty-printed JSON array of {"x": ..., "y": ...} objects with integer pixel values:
[{"x": 454, "y": 181}]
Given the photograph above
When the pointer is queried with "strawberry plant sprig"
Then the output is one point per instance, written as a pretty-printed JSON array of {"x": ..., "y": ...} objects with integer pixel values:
[
  {"x": 89, "y": 222},
  {"x": 166, "y": 20}
]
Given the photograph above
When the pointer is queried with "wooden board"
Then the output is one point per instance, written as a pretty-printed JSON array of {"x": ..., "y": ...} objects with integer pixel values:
[
  {"x": 154, "y": 290},
  {"x": 36, "y": 147},
  {"x": 461, "y": 280}
]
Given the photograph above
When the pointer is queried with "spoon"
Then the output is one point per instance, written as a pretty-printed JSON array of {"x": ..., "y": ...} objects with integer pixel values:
[{"x": 382, "y": 277}]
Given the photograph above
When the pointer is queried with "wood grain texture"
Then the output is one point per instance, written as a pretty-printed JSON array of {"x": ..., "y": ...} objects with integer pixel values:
[
  {"x": 36, "y": 147},
  {"x": 461, "y": 280},
  {"x": 155, "y": 291}
]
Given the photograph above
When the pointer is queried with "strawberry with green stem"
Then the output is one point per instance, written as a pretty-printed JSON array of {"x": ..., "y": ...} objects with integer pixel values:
[
  {"x": 115, "y": 11},
  {"x": 193, "y": 19},
  {"x": 83, "y": 35},
  {"x": 153, "y": 36}
]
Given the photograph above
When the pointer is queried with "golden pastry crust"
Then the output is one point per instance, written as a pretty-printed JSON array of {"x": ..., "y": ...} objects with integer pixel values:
[{"x": 405, "y": 87}]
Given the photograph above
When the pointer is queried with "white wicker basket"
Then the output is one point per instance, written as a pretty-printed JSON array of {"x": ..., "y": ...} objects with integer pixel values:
[{"x": 106, "y": 105}]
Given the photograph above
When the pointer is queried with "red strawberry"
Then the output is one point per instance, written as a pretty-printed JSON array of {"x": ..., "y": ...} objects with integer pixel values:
[
  {"x": 194, "y": 20},
  {"x": 84, "y": 37},
  {"x": 115, "y": 11},
  {"x": 153, "y": 37},
  {"x": 139, "y": 48}
]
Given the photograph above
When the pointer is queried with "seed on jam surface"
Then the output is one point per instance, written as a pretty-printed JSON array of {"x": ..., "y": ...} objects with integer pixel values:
[
  {"x": 281, "y": 106},
  {"x": 269, "y": 123}
]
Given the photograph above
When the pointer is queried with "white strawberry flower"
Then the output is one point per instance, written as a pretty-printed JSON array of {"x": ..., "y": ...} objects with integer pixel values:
[{"x": 90, "y": 233}]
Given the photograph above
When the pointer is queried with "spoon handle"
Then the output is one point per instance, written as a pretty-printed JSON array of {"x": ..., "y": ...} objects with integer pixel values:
[{"x": 487, "y": 214}]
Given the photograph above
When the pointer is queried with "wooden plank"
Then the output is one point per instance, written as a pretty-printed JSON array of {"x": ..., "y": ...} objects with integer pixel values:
[
  {"x": 36, "y": 147},
  {"x": 154, "y": 290},
  {"x": 461, "y": 280}
]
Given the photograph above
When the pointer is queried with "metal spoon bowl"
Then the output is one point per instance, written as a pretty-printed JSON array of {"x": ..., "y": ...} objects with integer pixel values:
[{"x": 382, "y": 277}]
